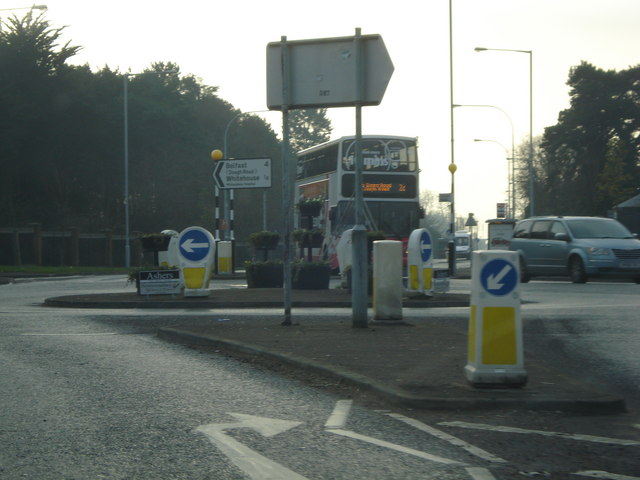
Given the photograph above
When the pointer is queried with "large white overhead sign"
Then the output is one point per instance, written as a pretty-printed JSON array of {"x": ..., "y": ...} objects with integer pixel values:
[{"x": 323, "y": 72}]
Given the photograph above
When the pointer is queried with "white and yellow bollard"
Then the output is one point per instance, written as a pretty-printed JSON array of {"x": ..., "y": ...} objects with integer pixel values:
[
  {"x": 495, "y": 350},
  {"x": 196, "y": 248},
  {"x": 387, "y": 280},
  {"x": 420, "y": 262},
  {"x": 225, "y": 260}
]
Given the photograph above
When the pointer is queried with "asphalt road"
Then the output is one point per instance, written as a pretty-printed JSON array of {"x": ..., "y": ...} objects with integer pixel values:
[{"x": 94, "y": 394}]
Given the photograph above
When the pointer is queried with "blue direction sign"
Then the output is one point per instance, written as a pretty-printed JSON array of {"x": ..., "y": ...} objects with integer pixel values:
[
  {"x": 425, "y": 246},
  {"x": 194, "y": 244},
  {"x": 499, "y": 277}
]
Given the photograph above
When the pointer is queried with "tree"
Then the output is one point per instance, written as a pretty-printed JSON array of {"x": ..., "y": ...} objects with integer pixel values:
[
  {"x": 61, "y": 141},
  {"x": 31, "y": 68},
  {"x": 308, "y": 128},
  {"x": 598, "y": 135}
]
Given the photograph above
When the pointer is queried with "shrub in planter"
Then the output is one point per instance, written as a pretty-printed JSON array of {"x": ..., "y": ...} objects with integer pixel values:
[
  {"x": 310, "y": 275},
  {"x": 155, "y": 242},
  {"x": 310, "y": 207},
  {"x": 264, "y": 241},
  {"x": 267, "y": 274}
]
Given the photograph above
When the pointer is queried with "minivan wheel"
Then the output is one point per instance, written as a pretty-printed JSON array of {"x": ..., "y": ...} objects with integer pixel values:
[
  {"x": 524, "y": 275},
  {"x": 577, "y": 272}
]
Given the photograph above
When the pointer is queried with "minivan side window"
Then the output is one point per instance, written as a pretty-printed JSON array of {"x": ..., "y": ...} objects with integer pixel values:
[
  {"x": 557, "y": 227},
  {"x": 540, "y": 229},
  {"x": 522, "y": 229}
]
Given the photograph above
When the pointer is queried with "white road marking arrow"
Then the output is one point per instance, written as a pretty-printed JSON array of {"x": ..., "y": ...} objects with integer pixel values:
[
  {"x": 494, "y": 282},
  {"x": 256, "y": 466},
  {"x": 188, "y": 245}
]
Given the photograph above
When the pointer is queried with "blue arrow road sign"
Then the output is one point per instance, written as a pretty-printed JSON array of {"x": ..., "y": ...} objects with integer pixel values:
[
  {"x": 425, "y": 246},
  {"x": 499, "y": 277},
  {"x": 194, "y": 244}
]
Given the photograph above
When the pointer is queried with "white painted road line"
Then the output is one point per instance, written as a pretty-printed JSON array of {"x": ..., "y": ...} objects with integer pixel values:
[
  {"x": 65, "y": 334},
  {"x": 478, "y": 473},
  {"x": 473, "y": 450},
  {"x": 393, "y": 446},
  {"x": 604, "y": 475},
  {"x": 338, "y": 418},
  {"x": 570, "y": 436}
]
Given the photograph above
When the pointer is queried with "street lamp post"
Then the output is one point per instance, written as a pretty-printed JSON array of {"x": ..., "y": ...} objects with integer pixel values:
[
  {"x": 530, "y": 167},
  {"x": 512, "y": 181},
  {"x": 127, "y": 243},
  {"x": 509, "y": 197}
]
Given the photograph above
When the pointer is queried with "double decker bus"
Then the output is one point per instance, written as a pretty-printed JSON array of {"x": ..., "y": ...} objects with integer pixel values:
[{"x": 389, "y": 184}]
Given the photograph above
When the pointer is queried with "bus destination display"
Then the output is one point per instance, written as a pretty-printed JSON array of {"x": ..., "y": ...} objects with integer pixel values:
[{"x": 381, "y": 186}]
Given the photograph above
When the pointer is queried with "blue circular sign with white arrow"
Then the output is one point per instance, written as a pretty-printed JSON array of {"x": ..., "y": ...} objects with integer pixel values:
[
  {"x": 425, "y": 246},
  {"x": 194, "y": 244},
  {"x": 499, "y": 277}
]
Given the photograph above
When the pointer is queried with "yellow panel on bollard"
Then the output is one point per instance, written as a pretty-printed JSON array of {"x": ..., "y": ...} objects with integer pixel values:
[
  {"x": 225, "y": 253},
  {"x": 193, "y": 277},
  {"x": 414, "y": 278},
  {"x": 387, "y": 280},
  {"x": 495, "y": 350},
  {"x": 427, "y": 278}
]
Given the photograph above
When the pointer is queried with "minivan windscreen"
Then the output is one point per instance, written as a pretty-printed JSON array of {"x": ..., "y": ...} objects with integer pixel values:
[{"x": 594, "y": 228}]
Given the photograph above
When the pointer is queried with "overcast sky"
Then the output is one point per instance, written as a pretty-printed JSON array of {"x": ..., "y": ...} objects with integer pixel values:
[{"x": 224, "y": 43}]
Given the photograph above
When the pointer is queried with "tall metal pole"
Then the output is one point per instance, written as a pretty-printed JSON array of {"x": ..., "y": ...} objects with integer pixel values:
[
  {"x": 360, "y": 273},
  {"x": 452, "y": 165},
  {"x": 127, "y": 246},
  {"x": 531, "y": 169},
  {"x": 286, "y": 183}
]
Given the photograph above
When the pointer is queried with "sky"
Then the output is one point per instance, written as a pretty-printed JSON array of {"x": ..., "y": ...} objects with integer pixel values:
[{"x": 224, "y": 44}]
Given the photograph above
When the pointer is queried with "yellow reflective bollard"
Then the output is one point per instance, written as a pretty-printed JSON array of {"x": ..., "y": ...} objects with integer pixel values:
[
  {"x": 420, "y": 262},
  {"x": 196, "y": 249},
  {"x": 495, "y": 351}
]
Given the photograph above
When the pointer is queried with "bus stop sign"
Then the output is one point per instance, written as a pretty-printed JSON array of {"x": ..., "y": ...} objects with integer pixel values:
[{"x": 323, "y": 72}]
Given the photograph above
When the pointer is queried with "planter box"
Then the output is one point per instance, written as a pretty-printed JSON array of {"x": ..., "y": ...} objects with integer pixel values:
[
  {"x": 311, "y": 277},
  {"x": 261, "y": 275}
]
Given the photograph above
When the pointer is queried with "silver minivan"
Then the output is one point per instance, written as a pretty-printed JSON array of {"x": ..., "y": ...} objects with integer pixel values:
[{"x": 580, "y": 247}]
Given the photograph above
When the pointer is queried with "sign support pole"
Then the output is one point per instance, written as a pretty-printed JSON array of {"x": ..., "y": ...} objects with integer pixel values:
[
  {"x": 359, "y": 238},
  {"x": 286, "y": 183}
]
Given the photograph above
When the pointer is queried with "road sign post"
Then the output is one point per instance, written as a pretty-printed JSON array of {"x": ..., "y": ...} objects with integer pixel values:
[
  {"x": 196, "y": 248},
  {"x": 495, "y": 354},
  {"x": 321, "y": 73},
  {"x": 420, "y": 262}
]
